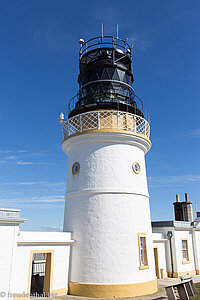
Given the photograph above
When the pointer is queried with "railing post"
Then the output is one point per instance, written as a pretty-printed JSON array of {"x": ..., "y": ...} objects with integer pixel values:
[
  {"x": 68, "y": 128},
  {"x": 135, "y": 127},
  {"x": 64, "y": 131},
  {"x": 98, "y": 123},
  {"x": 81, "y": 50},
  {"x": 117, "y": 119},
  {"x": 80, "y": 123},
  {"x": 145, "y": 128}
]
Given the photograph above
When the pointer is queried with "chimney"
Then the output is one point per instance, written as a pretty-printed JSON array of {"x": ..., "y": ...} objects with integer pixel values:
[
  {"x": 187, "y": 209},
  {"x": 183, "y": 210},
  {"x": 178, "y": 210}
]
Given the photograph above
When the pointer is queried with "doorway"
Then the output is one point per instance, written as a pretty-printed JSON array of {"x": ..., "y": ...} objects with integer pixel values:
[
  {"x": 40, "y": 273},
  {"x": 156, "y": 262}
]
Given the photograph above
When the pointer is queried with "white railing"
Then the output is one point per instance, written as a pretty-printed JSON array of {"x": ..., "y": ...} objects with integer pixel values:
[
  {"x": 38, "y": 267},
  {"x": 182, "y": 224},
  {"x": 106, "y": 119}
]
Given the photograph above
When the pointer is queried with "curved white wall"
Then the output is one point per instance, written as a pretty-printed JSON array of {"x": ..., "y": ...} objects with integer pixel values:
[{"x": 107, "y": 206}]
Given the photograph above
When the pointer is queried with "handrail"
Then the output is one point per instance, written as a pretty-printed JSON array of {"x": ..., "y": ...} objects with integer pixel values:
[
  {"x": 118, "y": 95},
  {"x": 105, "y": 119},
  {"x": 101, "y": 41}
]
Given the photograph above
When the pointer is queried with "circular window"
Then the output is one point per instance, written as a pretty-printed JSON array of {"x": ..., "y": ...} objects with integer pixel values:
[
  {"x": 136, "y": 167},
  {"x": 75, "y": 168}
]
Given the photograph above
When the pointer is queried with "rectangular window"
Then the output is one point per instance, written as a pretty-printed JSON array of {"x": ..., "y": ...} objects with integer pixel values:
[
  {"x": 142, "y": 251},
  {"x": 185, "y": 253}
]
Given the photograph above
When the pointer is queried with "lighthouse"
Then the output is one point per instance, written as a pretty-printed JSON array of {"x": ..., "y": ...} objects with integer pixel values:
[{"x": 106, "y": 137}]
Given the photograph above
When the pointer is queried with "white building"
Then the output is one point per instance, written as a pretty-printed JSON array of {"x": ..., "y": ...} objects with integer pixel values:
[
  {"x": 107, "y": 248},
  {"x": 177, "y": 243},
  {"x": 21, "y": 272},
  {"x": 39, "y": 262}
]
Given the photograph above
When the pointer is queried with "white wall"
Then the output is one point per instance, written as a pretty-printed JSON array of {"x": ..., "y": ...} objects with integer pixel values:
[
  {"x": 29, "y": 241},
  {"x": 107, "y": 205},
  {"x": 178, "y": 235},
  {"x": 8, "y": 242},
  {"x": 161, "y": 257},
  {"x": 197, "y": 244},
  {"x": 160, "y": 233},
  {"x": 193, "y": 238}
]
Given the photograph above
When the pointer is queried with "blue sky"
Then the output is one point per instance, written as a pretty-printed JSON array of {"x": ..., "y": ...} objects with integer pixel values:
[{"x": 39, "y": 68}]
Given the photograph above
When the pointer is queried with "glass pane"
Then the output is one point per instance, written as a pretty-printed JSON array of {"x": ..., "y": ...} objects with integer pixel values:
[
  {"x": 143, "y": 253},
  {"x": 111, "y": 72},
  {"x": 99, "y": 73},
  {"x": 105, "y": 74},
  {"x": 184, "y": 254},
  {"x": 184, "y": 250},
  {"x": 94, "y": 76},
  {"x": 128, "y": 79},
  {"x": 115, "y": 75},
  {"x": 184, "y": 245},
  {"x": 121, "y": 75}
]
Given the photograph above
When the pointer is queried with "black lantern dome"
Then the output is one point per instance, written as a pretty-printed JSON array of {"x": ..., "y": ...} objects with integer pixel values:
[{"x": 105, "y": 78}]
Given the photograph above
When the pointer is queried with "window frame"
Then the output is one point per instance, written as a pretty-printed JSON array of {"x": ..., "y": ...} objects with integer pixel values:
[
  {"x": 142, "y": 266},
  {"x": 48, "y": 272},
  {"x": 185, "y": 261}
]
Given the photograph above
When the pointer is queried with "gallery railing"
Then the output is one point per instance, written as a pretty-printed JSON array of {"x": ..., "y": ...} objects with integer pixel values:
[{"x": 106, "y": 119}]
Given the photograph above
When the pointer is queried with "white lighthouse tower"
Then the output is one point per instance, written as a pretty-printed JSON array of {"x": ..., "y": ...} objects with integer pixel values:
[{"x": 106, "y": 138}]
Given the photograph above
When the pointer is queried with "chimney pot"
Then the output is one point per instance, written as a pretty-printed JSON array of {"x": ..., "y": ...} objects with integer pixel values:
[
  {"x": 177, "y": 198},
  {"x": 186, "y": 197}
]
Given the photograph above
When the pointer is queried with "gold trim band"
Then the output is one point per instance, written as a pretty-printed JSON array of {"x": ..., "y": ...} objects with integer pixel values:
[
  {"x": 59, "y": 292},
  {"x": 107, "y": 130},
  {"x": 177, "y": 275},
  {"x": 54, "y": 293},
  {"x": 113, "y": 290}
]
